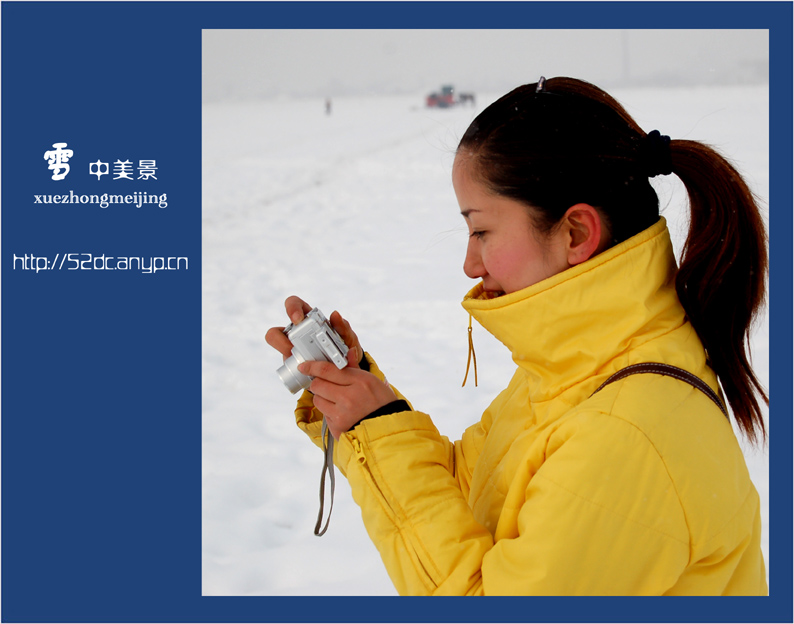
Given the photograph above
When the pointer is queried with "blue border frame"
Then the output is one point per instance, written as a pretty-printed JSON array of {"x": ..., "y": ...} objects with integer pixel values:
[{"x": 101, "y": 394}]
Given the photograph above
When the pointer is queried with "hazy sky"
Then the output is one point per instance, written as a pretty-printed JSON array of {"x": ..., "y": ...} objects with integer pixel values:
[{"x": 243, "y": 64}]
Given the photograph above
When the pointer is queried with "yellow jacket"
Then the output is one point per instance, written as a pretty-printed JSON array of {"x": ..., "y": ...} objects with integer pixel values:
[{"x": 640, "y": 489}]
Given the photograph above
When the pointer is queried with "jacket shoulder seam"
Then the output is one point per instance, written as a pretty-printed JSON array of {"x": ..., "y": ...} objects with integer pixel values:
[
  {"x": 612, "y": 511},
  {"x": 611, "y": 414}
]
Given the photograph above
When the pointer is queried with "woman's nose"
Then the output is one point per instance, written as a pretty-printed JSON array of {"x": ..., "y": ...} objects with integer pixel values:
[{"x": 472, "y": 264}]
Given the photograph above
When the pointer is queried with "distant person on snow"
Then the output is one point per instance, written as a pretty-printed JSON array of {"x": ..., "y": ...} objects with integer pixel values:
[{"x": 568, "y": 486}]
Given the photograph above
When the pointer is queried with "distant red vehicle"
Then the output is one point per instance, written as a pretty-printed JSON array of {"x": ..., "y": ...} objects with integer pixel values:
[
  {"x": 442, "y": 99},
  {"x": 447, "y": 98}
]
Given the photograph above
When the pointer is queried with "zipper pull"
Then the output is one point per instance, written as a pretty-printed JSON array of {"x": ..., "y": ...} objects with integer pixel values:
[
  {"x": 472, "y": 356},
  {"x": 360, "y": 457}
]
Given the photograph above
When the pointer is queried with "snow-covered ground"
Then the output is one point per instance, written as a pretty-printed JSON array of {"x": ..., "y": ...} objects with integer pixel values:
[{"x": 355, "y": 212}]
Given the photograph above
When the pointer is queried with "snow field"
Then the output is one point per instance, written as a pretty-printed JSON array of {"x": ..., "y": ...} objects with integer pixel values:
[{"x": 355, "y": 212}]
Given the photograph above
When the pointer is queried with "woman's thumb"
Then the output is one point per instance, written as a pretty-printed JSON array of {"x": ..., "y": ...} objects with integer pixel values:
[{"x": 354, "y": 356}]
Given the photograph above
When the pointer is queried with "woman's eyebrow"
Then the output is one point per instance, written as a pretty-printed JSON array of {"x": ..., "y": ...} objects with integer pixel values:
[{"x": 466, "y": 213}]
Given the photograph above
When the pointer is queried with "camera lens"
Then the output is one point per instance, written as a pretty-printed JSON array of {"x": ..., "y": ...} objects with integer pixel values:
[{"x": 291, "y": 376}]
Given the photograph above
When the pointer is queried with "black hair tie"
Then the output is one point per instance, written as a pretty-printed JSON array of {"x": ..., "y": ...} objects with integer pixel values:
[{"x": 655, "y": 154}]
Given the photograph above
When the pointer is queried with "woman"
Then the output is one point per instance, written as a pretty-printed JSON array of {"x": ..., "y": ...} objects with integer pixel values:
[{"x": 607, "y": 466}]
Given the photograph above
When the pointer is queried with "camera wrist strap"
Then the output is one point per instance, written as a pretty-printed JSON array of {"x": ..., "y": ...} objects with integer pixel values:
[{"x": 328, "y": 466}]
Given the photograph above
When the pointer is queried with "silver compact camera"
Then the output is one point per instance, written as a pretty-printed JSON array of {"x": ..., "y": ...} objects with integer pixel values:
[{"x": 313, "y": 339}]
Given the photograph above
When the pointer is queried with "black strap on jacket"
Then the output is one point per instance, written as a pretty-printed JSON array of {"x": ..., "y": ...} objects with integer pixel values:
[{"x": 670, "y": 371}]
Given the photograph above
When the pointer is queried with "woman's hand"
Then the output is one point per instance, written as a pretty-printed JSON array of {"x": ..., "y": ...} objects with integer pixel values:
[
  {"x": 296, "y": 311},
  {"x": 345, "y": 396}
]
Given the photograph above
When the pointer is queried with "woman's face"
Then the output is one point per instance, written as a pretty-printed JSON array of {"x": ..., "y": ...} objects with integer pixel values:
[{"x": 505, "y": 249}]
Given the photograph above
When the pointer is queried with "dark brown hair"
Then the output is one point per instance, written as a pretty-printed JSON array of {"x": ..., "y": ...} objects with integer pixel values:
[{"x": 570, "y": 142}]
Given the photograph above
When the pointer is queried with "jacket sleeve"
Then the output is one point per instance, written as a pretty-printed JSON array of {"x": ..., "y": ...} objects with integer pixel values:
[
  {"x": 578, "y": 526},
  {"x": 309, "y": 419},
  {"x": 581, "y": 527},
  {"x": 462, "y": 456},
  {"x": 402, "y": 475}
]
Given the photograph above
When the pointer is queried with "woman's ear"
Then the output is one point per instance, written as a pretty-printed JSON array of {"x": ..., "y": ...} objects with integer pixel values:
[{"x": 586, "y": 233}]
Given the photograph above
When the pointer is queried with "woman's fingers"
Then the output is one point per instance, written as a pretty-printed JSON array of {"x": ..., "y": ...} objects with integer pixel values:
[
  {"x": 354, "y": 356},
  {"x": 277, "y": 339},
  {"x": 325, "y": 371},
  {"x": 296, "y": 308},
  {"x": 347, "y": 334}
]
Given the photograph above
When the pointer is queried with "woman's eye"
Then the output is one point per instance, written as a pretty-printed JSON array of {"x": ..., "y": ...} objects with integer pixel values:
[{"x": 477, "y": 234}]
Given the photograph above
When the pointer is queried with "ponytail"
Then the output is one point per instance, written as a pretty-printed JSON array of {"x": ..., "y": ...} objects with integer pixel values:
[{"x": 722, "y": 276}]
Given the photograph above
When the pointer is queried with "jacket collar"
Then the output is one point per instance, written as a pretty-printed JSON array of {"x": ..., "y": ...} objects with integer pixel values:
[{"x": 576, "y": 324}]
